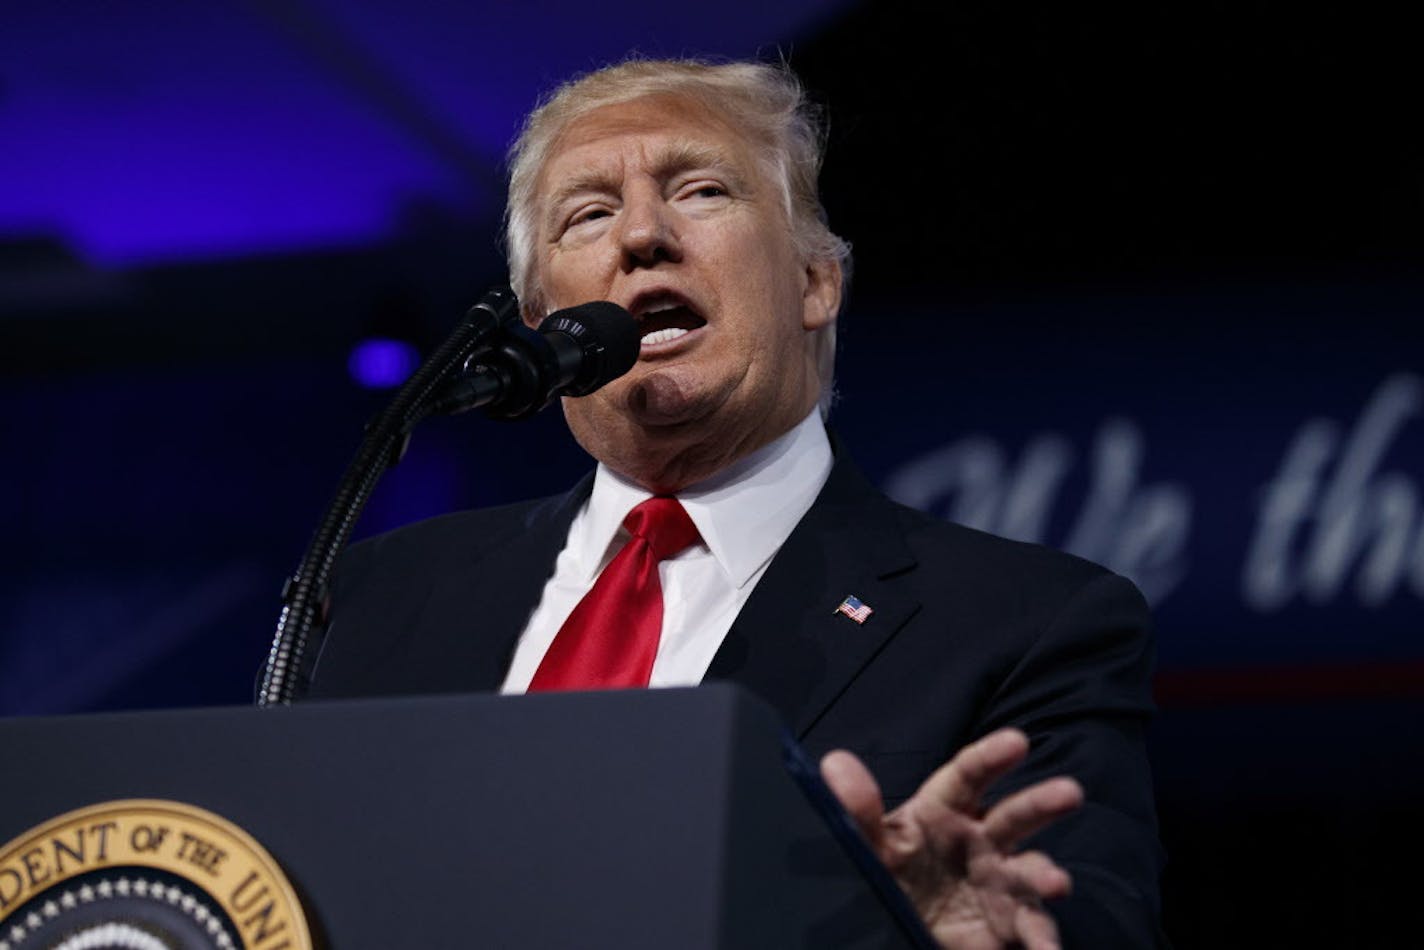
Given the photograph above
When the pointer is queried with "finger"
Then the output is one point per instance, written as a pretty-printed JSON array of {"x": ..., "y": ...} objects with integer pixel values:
[
  {"x": 962, "y": 781},
  {"x": 1035, "y": 928},
  {"x": 1040, "y": 875},
  {"x": 859, "y": 793},
  {"x": 1030, "y": 810}
]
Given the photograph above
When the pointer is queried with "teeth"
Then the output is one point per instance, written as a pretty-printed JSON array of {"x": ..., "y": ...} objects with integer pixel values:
[
  {"x": 662, "y": 307},
  {"x": 662, "y": 336}
]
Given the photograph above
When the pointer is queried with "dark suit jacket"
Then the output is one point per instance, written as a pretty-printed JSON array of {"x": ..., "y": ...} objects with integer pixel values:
[{"x": 969, "y": 633}]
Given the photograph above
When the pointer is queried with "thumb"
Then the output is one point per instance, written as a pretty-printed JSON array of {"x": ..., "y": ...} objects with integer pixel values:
[{"x": 851, "y": 782}]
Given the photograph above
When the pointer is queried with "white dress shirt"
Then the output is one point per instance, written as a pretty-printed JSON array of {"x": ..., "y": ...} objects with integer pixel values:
[{"x": 744, "y": 514}]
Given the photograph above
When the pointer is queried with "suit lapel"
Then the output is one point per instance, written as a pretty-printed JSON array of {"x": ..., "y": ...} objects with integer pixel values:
[
  {"x": 485, "y": 601},
  {"x": 790, "y": 645}
]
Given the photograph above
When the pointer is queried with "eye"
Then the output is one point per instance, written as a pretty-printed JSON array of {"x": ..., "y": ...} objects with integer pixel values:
[
  {"x": 586, "y": 215},
  {"x": 702, "y": 190}
]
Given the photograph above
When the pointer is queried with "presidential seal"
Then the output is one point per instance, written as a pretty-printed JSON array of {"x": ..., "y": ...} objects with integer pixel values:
[{"x": 144, "y": 874}]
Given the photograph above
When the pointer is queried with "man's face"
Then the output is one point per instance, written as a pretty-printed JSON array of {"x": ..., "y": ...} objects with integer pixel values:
[{"x": 661, "y": 206}]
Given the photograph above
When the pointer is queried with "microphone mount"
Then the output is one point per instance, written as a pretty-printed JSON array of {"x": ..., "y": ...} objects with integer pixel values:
[
  {"x": 304, "y": 594},
  {"x": 491, "y": 359}
]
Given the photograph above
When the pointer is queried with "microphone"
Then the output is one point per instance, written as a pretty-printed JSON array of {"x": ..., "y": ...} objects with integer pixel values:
[{"x": 574, "y": 352}]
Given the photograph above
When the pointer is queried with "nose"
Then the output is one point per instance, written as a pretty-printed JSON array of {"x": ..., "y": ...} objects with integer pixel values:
[{"x": 648, "y": 233}]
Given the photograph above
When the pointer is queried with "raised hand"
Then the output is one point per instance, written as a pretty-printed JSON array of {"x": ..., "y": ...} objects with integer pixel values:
[{"x": 959, "y": 864}]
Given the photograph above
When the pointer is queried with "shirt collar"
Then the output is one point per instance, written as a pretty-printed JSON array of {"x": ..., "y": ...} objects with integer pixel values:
[{"x": 744, "y": 513}]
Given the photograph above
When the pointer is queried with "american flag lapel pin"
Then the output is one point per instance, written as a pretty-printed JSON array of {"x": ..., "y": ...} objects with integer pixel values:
[{"x": 853, "y": 608}]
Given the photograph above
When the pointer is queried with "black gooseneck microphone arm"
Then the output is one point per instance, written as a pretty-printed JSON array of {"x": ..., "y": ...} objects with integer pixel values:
[
  {"x": 304, "y": 594},
  {"x": 492, "y": 360}
]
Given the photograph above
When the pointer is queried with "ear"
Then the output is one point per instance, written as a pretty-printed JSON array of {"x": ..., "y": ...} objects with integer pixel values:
[
  {"x": 531, "y": 314},
  {"x": 821, "y": 300}
]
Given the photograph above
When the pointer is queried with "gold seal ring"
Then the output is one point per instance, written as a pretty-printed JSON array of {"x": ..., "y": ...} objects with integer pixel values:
[{"x": 207, "y": 851}]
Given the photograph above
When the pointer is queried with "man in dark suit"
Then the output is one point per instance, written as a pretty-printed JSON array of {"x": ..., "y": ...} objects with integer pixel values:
[{"x": 996, "y": 691}]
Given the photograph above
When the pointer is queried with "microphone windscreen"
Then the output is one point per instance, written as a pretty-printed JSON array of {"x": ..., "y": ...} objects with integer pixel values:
[{"x": 607, "y": 335}]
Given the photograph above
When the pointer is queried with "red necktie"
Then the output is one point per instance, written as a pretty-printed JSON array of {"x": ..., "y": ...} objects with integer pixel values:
[{"x": 611, "y": 638}]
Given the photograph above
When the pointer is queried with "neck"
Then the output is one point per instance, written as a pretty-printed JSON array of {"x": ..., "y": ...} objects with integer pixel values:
[
  {"x": 664, "y": 464},
  {"x": 808, "y": 433}
]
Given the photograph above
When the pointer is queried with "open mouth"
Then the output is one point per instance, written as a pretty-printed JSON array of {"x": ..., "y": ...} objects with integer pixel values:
[{"x": 666, "y": 319}]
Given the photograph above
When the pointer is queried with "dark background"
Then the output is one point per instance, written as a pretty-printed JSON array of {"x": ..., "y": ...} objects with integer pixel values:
[{"x": 1115, "y": 267}]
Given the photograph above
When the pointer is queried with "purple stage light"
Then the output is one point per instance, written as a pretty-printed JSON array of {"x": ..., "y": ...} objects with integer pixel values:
[
  {"x": 146, "y": 133},
  {"x": 382, "y": 363}
]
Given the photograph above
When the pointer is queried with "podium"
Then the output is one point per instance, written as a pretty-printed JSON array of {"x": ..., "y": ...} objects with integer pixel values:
[{"x": 645, "y": 818}]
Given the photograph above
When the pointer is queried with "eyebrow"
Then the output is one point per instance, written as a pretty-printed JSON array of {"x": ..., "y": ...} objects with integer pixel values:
[{"x": 682, "y": 155}]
